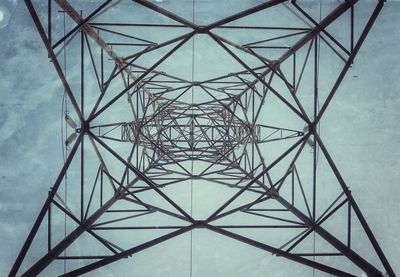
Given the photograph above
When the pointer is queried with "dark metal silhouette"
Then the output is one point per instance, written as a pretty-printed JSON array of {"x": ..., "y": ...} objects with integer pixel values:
[{"x": 175, "y": 137}]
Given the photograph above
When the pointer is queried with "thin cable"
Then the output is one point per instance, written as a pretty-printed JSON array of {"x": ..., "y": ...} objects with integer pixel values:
[
  {"x": 319, "y": 54},
  {"x": 191, "y": 170},
  {"x": 64, "y": 111},
  {"x": 318, "y": 41}
]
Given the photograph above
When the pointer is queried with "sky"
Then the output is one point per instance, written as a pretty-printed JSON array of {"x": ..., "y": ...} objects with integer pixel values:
[{"x": 360, "y": 129}]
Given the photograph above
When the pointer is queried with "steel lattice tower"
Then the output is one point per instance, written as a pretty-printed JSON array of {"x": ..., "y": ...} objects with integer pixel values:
[{"x": 165, "y": 106}]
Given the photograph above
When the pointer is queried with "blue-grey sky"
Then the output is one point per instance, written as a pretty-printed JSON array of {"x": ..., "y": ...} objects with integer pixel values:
[{"x": 360, "y": 128}]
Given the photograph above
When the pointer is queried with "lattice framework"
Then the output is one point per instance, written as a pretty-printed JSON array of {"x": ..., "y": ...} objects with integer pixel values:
[{"x": 147, "y": 126}]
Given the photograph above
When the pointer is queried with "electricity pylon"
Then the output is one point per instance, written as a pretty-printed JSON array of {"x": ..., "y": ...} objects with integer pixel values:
[{"x": 162, "y": 104}]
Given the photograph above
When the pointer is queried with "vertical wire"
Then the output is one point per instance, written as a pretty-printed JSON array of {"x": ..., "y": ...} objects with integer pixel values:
[
  {"x": 65, "y": 106},
  {"x": 319, "y": 54},
  {"x": 318, "y": 41},
  {"x": 191, "y": 170}
]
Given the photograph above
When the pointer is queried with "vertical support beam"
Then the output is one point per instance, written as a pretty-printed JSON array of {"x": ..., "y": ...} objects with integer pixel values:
[
  {"x": 294, "y": 73},
  {"x": 102, "y": 67},
  {"x": 293, "y": 169},
  {"x": 253, "y": 119},
  {"x": 348, "y": 224},
  {"x": 101, "y": 185},
  {"x": 316, "y": 72},
  {"x": 352, "y": 29},
  {"x": 49, "y": 19},
  {"x": 83, "y": 114},
  {"x": 49, "y": 228}
]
